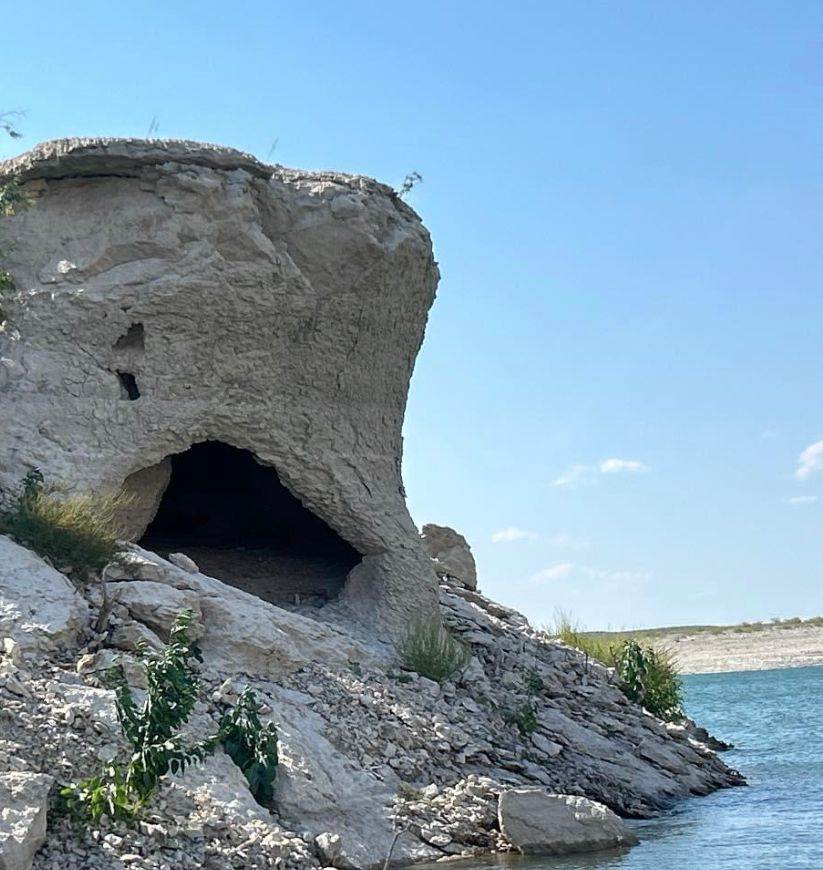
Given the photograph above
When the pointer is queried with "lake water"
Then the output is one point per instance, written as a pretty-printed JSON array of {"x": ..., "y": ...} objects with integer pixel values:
[{"x": 775, "y": 720}]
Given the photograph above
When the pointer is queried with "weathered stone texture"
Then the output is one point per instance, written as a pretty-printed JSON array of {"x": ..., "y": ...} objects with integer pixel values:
[
  {"x": 273, "y": 310},
  {"x": 451, "y": 553},
  {"x": 537, "y": 822}
]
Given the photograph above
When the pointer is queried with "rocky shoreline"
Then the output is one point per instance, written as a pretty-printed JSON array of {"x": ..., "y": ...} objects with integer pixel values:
[
  {"x": 373, "y": 758},
  {"x": 730, "y": 650}
]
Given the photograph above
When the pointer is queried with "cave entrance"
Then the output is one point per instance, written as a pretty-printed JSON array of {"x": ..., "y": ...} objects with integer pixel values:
[{"x": 235, "y": 518}]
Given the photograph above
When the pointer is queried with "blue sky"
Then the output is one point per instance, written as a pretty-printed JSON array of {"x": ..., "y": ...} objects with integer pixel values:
[{"x": 623, "y": 364}]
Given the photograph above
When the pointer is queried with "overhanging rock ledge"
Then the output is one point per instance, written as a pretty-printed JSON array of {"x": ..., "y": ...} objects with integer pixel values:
[{"x": 171, "y": 293}]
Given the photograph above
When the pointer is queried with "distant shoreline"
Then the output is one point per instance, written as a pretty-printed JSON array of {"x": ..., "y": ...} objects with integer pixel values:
[
  {"x": 745, "y": 647},
  {"x": 770, "y": 648}
]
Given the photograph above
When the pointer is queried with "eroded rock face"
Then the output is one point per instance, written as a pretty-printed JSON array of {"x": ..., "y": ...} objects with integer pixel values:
[{"x": 172, "y": 293}]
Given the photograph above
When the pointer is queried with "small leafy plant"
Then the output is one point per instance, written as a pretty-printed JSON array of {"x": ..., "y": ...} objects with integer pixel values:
[
  {"x": 78, "y": 533},
  {"x": 409, "y": 183},
  {"x": 524, "y": 718},
  {"x": 432, "y": 651},
  {"x": 152, "y": 731},
  {"x": 251, "y": 745}
]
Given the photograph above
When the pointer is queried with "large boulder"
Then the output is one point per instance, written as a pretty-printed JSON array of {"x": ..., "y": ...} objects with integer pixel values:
[
  {"x": 173, "y": 293},
  {"x": 23, "y": 809},
  {"x": 537, "y": 822},
  {"x": 451, "y": 553},
  {"x": 39, "y": 607}
]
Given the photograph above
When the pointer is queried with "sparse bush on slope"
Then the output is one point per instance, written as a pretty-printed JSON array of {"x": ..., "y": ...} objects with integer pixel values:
[
  {"x": 251, "y": 745},
  {"x": 432, "y": 651}
]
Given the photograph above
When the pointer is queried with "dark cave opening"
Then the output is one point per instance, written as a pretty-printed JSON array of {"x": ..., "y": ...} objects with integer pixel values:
[{"x": 234, "y": 517}]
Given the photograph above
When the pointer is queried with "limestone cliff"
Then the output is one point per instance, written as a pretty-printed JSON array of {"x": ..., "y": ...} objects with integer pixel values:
[{"x": 173, "y": 293}]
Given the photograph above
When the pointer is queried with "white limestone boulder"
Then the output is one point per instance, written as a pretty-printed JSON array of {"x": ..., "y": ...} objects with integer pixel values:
[
  {"x": 237, "y": 631},
  {"x": 39, "y": 607},
  {"x": 537, "y": 822},
  {"x": 23, "y": 812}
]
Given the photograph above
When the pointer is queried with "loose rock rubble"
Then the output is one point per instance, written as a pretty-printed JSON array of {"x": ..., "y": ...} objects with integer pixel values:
[{"x": 373, "y": 758}]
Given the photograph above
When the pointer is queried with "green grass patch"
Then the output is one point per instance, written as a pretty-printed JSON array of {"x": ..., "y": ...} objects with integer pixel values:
[
  {"x": 432, "y": 651},
  {"x": 76, "y": 534}
]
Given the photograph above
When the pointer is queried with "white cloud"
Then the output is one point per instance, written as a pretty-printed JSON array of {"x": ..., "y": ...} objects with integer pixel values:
[
  {"x": 587, "y": 475},
  {"x": 577, "y": 475},
  {"x": 585, "y": 573},
  {"x": 810, "y": 461},
  {"x": 511, "y": 534},
  {"x": 618, "y": 466},
  {"x": 801, "y": 499},
  {"x": 564, "y": 541},
  {"x": 556, "y": 572}
]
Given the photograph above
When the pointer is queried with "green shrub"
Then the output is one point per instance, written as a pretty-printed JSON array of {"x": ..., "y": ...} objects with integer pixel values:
[
  {"x": 649, "y": 677},
  {"x": 251, "y": 745},
  {"x": 152, "y": 730},
  {"x": 646, "y": 674},
  {"x": 432, "y": 651},
  {"x": 524, "y": 718},
  {"x": 78, "y": 533}
]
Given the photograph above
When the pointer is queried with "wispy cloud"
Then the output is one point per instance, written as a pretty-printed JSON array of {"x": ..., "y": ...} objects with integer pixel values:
[
  {"x": 510, "y": 534},
  {"x": 556, "y": 572},
  {"x": 801, "y": 499},
  {"x": 577, "y": 475},
  {"x": 810, "y": 461},
  {"x": 618, "y": 466},
  {"x": 564, "y": 541},
  {"x": 585, "y": 573},
  {"x": 588, "y": 475}
]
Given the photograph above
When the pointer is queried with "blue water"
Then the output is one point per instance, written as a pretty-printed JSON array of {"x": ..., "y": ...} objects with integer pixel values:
[{"x": 775, "y": 720}]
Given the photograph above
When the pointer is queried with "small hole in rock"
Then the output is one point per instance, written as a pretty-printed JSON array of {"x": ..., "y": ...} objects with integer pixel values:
[
  {"x": 133, "y": 339},
  {"x": 128, "y": 386}
]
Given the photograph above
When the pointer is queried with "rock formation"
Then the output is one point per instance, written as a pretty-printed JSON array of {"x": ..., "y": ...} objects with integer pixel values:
[
  {"x": 537, "y": 822},
  {"x": 451, "y": 553},
  {"x": 231, "y": 343},
  {"x": 365, "y": 746}
]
